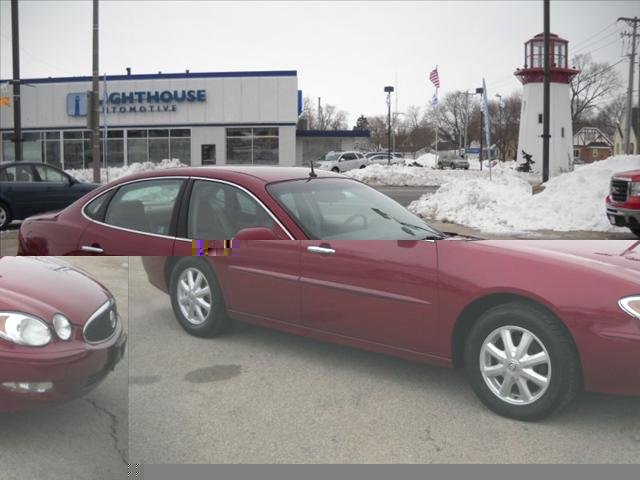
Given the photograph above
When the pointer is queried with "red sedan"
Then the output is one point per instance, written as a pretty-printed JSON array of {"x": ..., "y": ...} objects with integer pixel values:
[
  {"x": 60, "y": 334},
  {"x": 532, "y": 322},
  {"x": 162, "y": 212}
]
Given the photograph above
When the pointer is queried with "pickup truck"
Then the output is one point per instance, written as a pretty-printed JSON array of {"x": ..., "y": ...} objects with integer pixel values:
[{"x": 623, "y": 202}]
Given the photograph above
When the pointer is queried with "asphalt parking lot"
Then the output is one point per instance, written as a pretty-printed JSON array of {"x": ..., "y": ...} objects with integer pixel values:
[
  {"x": 85, "y": 438},
  {"x": 260, "y": 396}
]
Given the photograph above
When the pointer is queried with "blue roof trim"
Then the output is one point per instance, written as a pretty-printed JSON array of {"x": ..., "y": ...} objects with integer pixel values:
[
  {"x": 334, "y": 133},
  {"x": 164, "y": 76},
  {"x": 164, "y": 125}
]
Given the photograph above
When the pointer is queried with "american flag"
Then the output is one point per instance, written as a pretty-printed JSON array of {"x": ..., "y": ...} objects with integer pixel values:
[{"x": 433, "y": 76}]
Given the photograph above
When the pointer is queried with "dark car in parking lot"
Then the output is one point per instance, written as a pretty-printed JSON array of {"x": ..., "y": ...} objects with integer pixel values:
[{"x": 29, "y": 188}]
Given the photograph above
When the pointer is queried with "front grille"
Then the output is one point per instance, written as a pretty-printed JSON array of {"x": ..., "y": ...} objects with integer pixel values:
[
  {"x": 102, "y": 324},
  {"x": 619, "y": 189}
]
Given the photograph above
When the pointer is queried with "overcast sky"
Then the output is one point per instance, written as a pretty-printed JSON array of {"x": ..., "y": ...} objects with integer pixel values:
[{"x": 344, "y": 52}]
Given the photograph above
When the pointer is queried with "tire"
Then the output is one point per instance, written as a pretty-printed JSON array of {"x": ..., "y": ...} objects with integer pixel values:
[
  {"x": 335, "y": 169},
  {"x": 209, "y": 322},
  {"x": 5, "y": 216},
  {"x": 453, "y": 167},
  {"x": 362, "y": 166},
  {"x": 548, "y": 338},
  {"x": 634, "y": 230}
]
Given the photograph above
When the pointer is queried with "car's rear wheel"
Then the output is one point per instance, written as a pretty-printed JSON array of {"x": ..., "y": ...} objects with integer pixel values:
[
  {"x": 521, "y": 362},
  {"x": 5, "y": 216},
  {"x": 362, "y": 166},
  {"x": 197, "y": 300}
]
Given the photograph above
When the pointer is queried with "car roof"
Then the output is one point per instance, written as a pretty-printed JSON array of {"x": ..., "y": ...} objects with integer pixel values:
[
  {"x": 268, "y": 174},
  {"x": 11, "y": 164}
]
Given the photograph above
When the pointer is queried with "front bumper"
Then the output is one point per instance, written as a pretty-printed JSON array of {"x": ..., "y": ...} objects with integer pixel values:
[
  {"x": 72, "y": 373},
  {"x": 623, "y": 216},
  {"x": 612, "y": 359}
]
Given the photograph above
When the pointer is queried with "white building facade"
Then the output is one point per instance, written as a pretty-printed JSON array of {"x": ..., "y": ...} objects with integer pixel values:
[{"x": 211, "y": 118}]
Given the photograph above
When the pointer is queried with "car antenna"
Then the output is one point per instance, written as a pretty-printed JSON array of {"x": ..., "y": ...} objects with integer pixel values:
[{"x": 312, "y": 173}]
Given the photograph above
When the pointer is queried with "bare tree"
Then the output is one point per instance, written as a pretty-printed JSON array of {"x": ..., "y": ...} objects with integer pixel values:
[
  {"x": 595, "y": 83},
  {"x": 452, "y": 113}
]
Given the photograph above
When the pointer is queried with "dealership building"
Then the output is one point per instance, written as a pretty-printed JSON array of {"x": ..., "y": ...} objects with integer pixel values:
[
  {"x": 200, "y": 118},
  {"x": 208, "y": 118}
]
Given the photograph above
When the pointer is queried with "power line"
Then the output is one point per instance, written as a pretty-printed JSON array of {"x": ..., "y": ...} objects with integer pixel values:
[
  {"x": 592, "y": 44},
  {"x": 596, "y": 34}
]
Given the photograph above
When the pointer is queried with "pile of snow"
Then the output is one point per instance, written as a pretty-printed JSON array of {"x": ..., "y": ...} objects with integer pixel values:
[
  {"x": 86, "y": 174},
  {"x": 570, "y": 202},
  {"x": 427, "y": 160},
  {"x": 400, "y": 175}
]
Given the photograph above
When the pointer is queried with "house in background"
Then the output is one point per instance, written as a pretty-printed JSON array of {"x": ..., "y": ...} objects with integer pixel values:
[
  {"x": 591, "y": 145},
  {"x": 618, "y": 138}
]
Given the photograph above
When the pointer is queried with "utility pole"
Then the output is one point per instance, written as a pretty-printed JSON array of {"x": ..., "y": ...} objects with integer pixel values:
[
  {"x": 17, "y": 118},
  {"x": 546, "y": 96},
  {"x": 319, "y": 114},
  {"x": 627, "y": 128},
  {"x": 95, "y": 98},
  {"x": 388, "y": 91}
]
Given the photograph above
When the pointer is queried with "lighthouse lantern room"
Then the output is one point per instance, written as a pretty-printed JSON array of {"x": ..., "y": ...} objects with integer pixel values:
[{"x": 532, "y": 77}]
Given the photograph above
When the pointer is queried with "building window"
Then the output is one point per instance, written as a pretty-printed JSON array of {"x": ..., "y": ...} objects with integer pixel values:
[
  {"x": 562, "y": 132},
  {"x": 576, "y": 153},
  {"x": 253, "y": 146},
  {"x": 155, "y": 145}
]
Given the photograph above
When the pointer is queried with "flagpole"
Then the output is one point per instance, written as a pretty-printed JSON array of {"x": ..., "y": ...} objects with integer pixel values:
[{"x": 437, "y": 123}]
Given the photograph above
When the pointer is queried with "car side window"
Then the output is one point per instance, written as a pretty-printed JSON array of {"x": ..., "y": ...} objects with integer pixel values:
[
  {"x": 218, "y": 211},
  {"x": 349, "y": 156},
  {"x": 17, "y": 173},
  {"x": 92, "y": 210},
  {"x": 48, "y": 174},
  {"x": 145, "y": 206}
]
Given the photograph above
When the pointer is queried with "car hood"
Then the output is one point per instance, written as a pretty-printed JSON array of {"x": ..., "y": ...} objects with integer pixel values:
[
  {"x": 619, "y": 258},
  {"x": 43, "y": 286},
  {"x": 633, "y": 174}
]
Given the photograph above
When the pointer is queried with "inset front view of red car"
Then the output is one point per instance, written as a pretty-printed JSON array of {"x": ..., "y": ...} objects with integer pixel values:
[
  {"x": 623, "y": 202},
  {"x": 60, "y": 332}
]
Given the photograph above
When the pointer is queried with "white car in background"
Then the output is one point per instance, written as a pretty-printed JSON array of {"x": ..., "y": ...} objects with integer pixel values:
[
  {"x": 341, "y": 161},
  {"x": 381, "y": 158}
]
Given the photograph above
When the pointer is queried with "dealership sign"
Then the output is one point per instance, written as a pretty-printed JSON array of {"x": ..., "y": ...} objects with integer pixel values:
[{"x": 136, "y": 102}]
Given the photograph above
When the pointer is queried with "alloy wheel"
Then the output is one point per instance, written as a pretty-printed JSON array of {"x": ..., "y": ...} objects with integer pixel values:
[
  {"x": 3, "y": 216},
  {"x": 515, "y": 365},
  {"x": 194, "y": 296}
]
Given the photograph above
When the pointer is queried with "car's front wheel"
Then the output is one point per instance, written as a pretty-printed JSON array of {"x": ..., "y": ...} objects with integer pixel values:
[
  {"x": 197, "y": 300},
  {"x": 5, "y": 216},
  {"x": 521, "y": 362},
  {"x": 335, "y": 169}
]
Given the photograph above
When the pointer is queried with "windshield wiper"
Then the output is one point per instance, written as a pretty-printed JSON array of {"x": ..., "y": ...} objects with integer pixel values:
[{"x": 386, "y": 216}]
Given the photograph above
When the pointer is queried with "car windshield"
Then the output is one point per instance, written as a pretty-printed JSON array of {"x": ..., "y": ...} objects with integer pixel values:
[
  {"x": 344, "y": 209},
  {"x": 329, "y": 157}
]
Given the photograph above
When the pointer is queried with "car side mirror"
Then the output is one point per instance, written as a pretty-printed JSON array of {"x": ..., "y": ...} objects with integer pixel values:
[
  {"x": 256, "y": 233},
  {"x": 72, "y": 180}
]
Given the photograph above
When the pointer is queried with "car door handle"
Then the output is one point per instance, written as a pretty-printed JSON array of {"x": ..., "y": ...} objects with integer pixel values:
[
  {"x": 86, "y": 248},
  {"x": 321, "y": 250}
]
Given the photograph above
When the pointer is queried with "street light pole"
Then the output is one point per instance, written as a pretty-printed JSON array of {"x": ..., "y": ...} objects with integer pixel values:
[
  {"x": 388, "y": 90},
  {"x": 95, "y": 105},
  {"x": 17, "y": 121}
]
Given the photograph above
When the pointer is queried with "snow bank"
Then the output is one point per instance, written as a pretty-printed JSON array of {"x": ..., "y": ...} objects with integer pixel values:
[
  {"x": 570, "y": 202},
  {"x": 86, "y": 174},
  {"x": 400, "y": 175}
]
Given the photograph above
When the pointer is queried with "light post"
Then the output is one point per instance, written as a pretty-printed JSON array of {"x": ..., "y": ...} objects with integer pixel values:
[
  {"x": 388, "y": 90},
  {"x": 500, "y": 141}
]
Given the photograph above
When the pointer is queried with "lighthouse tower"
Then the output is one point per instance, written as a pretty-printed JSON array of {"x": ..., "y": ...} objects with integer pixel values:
[{"x": 560, "y": 128}]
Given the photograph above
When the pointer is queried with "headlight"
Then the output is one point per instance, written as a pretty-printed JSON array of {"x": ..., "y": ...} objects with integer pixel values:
[
  {"x": 631, "y": 305},
  {"x": 62, "y": 326},
  {"x": 24, "y": 329},
  {"x": 634, "y": 191}
]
